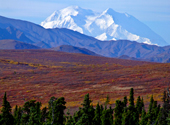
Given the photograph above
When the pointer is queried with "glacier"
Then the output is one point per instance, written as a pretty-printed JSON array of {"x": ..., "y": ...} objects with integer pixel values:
[{"x": 107, "y": 25}]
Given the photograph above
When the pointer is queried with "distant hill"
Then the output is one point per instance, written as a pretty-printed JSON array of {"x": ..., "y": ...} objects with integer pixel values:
[
  {"x": 13, "y": 33},
  {"x": 73, "y": 49},
  {"x": 42, "y": 44},
  {"x": 51, "y": 38},
  {"x": 127, "y": 57},
  {"x": 13, "y": 44}
]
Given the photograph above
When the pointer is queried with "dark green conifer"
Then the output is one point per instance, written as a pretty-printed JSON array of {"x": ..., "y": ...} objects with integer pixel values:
[
  {"x": 118, "y": 110},
  {"x": 7, "y": 118},
  {"x": 26, "y": 111},
  {"x": 131, "y": 99},
  {"x": 34, "y": 118},
  {"x": 107, "y": 100},
  {"x": 87, "y": 112},
  {"x": 59, "y": 107},
  {"x": 144, "y": 119},
  {"x": 17, "y": 115},
  {"x": 163, "y": 114},
  {"x": 107, "y": 117},
  {"x": 139, "y": 105},
  {"x": 125, "y": 101},
  {"x": 151, "y": 105},
  {"x": 97, "y": 115},
  {"x": 131, "y": 115}
]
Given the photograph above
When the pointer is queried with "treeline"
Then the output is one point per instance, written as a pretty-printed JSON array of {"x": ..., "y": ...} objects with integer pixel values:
[{"x": 123, "y": 114}]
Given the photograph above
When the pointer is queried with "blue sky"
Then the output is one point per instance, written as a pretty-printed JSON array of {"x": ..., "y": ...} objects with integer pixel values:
[{"x": 154, "y": 13}]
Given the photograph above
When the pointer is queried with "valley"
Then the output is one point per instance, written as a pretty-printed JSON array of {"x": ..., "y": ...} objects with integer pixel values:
[{"x": 41, "y": 74}]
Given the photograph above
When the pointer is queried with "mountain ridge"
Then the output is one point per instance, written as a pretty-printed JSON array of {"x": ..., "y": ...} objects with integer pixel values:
[
  {"x": 107, "y": 25},
  {"x": 14, "y": 44},
  {"x": 48, "y": 38},
  {"x": 73, "y": 49}
]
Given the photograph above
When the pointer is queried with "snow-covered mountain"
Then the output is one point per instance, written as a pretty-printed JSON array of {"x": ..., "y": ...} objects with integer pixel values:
[
  {"x": 108, "y": 25},
  {"x": 34, "y": 34}
]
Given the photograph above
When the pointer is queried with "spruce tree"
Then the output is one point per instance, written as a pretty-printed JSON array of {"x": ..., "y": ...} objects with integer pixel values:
[
  {"x": 151, "y": 105},
  {"x": 118, "y": 111},
  {"x": 107, "y": 117},
  {"x": 125, "y": 101},
  {"x": 59, "y": 111},
  {"x": 131, "y": 99},
  {"x": 17, "y": 115},
  {"x": 34, "y": 118},
  {"x": 97, "y": 115},
  {"x": 107, "y": 100},
  {"x": 144, "y": 119},
  {"x": 101, "y": 109},
  {"x": 0, "y": 119},
  {"x": 168, "y": 119},
  {"x": 155, "y": 110},
  {"x": 131, "y": 116},
  {"x": 163, "y": 114},
  {"x": 56, "y": 111},
  {"x": 87, "y": 112},
  {"x": 7, "y": 118},
  {"x": 26, "y": 111},
  {"x": 139, "y": 105},
  {"x": 69, "y": 119},
  {"x": 124, "y": 120}
]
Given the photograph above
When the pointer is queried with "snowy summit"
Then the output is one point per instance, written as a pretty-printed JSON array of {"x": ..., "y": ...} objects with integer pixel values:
[{"x": 108, "y": 25}]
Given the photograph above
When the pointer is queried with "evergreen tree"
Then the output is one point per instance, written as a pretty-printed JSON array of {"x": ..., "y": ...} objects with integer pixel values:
[
  {"x": 168, "y": 119},
  {"x": 144, "y": 119},
  {"x": 69, "y": 119},
  {"x": 0, "y": 119},
  {"x": 97, "y": 115},
  {"x": 34, "y": 118},
  {"x": 77, "y": 115},
  {"x": 150, "y": 113},
  {"x": 118, "y": 110},
  {"x": 107, "y": 117},
  {"x": 30, "y": 112},
  {"x": 131, "y": 115},
  {"x": 142, "y": 103},
  {"x": 101, "y": 109},
  {"x": 87, "y": 112},
  {"x": 7, "y": 118},
  {"x": 149, "y": 122},
  {"x": 139, "y": 105},
  {"x": 107, "y": 100},
  {"x": 124, "y": 117},
  {"x": 155, "y": 111},
  {"x": 26, "y": 111},
  {"x": 125, "y": 101},
  {"x": 17, "y": 115},
  {"x": 56, "y": 108},
  {"x": 163, "y": 114},
  {"x": 131, "y": 99},
  {"x": 151, "y": 104}
]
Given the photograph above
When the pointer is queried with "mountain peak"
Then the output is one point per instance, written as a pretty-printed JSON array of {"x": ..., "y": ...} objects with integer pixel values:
[
  {"x": 107, "y": 25},
  {"x": 109, "y": 10},
  {"x": 74, "y": 7}
]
